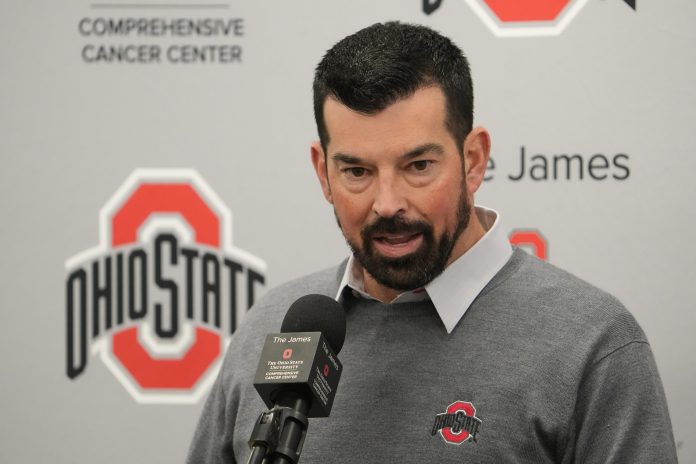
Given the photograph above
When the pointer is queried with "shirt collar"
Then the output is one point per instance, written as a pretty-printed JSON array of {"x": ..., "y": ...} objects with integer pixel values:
[{"x": 453, "y": 291}]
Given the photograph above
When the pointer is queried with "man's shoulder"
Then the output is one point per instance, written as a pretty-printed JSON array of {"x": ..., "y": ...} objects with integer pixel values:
[
  {"x": 527, "y": 275},
  {"x": 541, "y": 290},
  {"x": 273, "y": 305},
  {"x": 266, "y": 316}
]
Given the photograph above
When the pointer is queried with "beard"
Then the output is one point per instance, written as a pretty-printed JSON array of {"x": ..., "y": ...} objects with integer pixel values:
[{"x": 416, "y": 269}]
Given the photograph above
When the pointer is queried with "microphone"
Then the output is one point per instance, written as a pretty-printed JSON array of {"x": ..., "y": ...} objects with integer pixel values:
[{"x": 297, "y": 377}]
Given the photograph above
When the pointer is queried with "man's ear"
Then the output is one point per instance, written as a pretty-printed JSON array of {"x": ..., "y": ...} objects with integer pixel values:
[
  {"x": 477, "y": 150},
  {"x": 319, "y": 163}
]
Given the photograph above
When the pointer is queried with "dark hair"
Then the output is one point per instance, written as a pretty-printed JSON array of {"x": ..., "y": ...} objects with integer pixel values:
[{"x": 383, "y": 63}]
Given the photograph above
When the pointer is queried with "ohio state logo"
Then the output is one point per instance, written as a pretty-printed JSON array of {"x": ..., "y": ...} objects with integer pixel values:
[
  {"x": 161, "y": 294},
  {"x": 458, "y": 424},
  {"x": 523, "y": 18},
  {"x": 531, "y": 240}
]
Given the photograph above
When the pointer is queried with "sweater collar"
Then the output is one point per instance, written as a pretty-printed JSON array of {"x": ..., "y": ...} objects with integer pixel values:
[{"x": 453, "y": 291}]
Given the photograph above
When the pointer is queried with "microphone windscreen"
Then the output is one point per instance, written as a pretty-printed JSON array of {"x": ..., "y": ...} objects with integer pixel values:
[{"x": 317, "y": 313}]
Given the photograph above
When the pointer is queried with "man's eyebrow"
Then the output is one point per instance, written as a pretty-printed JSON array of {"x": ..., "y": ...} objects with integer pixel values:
[
  {"x": 344, "y": 158},
  {"x": 434, "y": 148}
]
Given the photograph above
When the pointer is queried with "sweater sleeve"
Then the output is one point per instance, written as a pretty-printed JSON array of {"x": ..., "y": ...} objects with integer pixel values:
[
  {"x": 621, "y": 412},
  {"x": 212, "y": 440}
]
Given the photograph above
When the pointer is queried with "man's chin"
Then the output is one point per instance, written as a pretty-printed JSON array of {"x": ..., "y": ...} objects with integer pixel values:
[
  {"x": 401, "y": 281},
  {"x": 402, "y": 273},
  {"x": 397, "y": 264}
]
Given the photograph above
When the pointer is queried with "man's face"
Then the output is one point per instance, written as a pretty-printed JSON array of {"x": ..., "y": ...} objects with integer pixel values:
[
  {"x": 406, "y": 271},
  {"x": 397, "y": 185}
]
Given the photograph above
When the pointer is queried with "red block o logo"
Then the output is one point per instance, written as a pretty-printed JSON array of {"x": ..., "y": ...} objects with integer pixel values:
[
  {"x": 156, "y": 363},
  {"x": 526, "y": 18},
  {"x": 533, "y": 239},
  {"x": 462, "y": 435},
  {"x": 527, "y": 10},
  {"x": 182, "y": 199}
]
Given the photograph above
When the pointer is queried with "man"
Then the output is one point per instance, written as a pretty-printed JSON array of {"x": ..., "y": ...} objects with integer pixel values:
[{"x": 458, "y": 348}]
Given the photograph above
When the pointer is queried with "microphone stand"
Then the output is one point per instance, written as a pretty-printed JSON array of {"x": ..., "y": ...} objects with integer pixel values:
[{"x": 278, "y": 435}]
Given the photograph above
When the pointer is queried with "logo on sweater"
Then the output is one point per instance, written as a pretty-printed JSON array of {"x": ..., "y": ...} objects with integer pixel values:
[
  {"x": 458, "y": 423},
  {"x": 160, "y": 296}
]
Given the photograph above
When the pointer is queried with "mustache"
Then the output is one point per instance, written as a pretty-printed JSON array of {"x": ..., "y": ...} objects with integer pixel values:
[{"x": 395, "y": 225}]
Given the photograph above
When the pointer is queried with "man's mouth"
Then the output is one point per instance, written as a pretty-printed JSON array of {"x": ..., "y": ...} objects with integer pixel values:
[{"x": 397, "y": 245}]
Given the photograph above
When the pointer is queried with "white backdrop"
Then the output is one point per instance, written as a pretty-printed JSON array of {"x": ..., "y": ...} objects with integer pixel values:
[{"x": 610, "y": 81}]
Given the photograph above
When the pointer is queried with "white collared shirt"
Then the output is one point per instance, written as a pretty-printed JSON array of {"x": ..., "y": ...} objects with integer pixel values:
[{"x": 453, "y": 291}]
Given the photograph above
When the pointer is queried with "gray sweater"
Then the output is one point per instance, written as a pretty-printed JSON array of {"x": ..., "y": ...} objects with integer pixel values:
[{"x": 542, "y": 368}]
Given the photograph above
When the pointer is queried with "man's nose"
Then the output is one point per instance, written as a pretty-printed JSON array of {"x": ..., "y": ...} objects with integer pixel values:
[{"x": 389, "y": 198}]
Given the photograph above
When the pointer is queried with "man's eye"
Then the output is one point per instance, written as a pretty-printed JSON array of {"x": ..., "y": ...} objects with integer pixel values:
[
  {"x": 355, "y": 172},
  {"x": 421, "y": 165}
]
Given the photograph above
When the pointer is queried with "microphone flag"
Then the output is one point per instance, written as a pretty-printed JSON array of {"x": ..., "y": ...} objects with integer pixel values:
[{"x": 303, "y": 362}]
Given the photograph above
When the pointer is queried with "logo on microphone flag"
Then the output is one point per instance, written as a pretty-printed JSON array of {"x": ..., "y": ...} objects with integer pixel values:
[
  {"x": 160, "y": 296},
  {"x": 458, "y": 423}
]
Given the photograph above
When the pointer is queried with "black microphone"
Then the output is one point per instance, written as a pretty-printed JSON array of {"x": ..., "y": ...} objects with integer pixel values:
[{"x": 297, "y": 377}]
